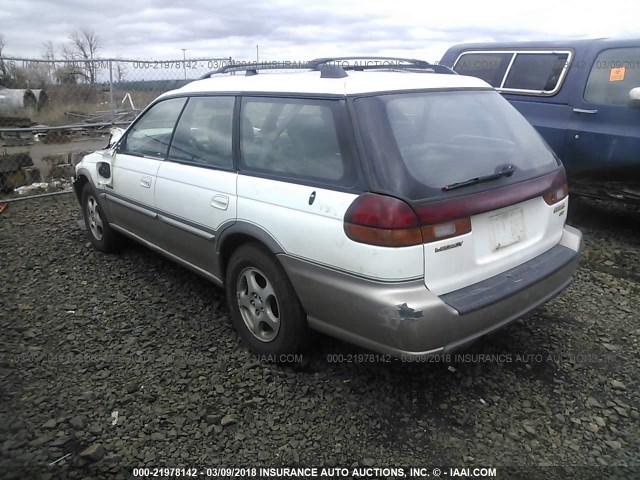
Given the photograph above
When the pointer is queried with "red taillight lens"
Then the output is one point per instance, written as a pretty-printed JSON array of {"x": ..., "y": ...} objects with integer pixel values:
[
  {"x": 372, "y": 210},
  {"x": 558, "y": 190},
  {"x": 381, "y": 220}
]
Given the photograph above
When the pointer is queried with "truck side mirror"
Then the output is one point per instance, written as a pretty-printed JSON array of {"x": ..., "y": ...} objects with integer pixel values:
[{"x": 634, "y": 97}]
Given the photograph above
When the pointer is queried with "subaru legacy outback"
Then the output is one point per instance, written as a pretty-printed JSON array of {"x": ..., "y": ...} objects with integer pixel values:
[{"x": 395, "y": 205}]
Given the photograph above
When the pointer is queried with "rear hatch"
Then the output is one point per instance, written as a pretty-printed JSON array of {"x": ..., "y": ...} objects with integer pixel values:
[{"x": 488, "y": 192}]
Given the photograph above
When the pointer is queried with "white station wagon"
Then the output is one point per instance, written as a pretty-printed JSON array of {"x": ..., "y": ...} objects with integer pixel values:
[{"x": 390, "y": 203}]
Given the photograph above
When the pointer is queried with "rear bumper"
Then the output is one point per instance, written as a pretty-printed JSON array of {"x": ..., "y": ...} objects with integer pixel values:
[{"x": 405, "y": 319}]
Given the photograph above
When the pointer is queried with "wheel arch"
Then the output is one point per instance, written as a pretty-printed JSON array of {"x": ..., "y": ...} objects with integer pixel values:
[
  {"x": 241, "y": 233},
  {"x": 82, "y": 179}
]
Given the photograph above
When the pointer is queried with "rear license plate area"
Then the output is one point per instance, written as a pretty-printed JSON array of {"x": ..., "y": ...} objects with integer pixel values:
[{"x": 507, "y": 228}]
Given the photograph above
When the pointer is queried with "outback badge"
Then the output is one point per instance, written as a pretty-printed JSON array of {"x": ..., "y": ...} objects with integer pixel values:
[{"x": 448, "y": 247}]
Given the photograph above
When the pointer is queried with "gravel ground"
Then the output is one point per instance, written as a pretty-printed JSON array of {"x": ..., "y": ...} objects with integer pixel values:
[{"x": 130, "y": 360}]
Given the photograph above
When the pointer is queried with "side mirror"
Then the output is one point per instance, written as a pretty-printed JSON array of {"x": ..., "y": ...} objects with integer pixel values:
[{"x": 634, "y": 97}]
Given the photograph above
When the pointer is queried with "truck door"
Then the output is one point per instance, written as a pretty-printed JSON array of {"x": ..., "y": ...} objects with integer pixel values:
[{"x": 605, "y": 130}]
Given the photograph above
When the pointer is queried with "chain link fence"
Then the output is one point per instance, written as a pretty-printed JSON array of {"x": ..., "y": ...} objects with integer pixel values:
[{"x": 53, "y": 112}]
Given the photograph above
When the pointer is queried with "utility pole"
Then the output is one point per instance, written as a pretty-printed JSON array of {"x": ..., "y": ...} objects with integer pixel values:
[{"x": 184, "y": 61}]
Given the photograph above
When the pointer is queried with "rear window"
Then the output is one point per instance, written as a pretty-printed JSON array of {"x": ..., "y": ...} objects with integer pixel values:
[{"x": 420, "y": 142}]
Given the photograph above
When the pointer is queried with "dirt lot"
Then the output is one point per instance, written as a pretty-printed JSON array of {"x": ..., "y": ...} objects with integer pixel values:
[{"x": 137, "y": 355}]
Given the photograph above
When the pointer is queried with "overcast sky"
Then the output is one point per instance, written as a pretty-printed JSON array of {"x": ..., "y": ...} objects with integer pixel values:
[{"x": 298, "y": 29}]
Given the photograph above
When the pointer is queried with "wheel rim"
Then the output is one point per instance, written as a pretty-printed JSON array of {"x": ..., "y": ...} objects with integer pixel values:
[
  {"x": 258, "y": 304},
  {"x": 95, "y": 220}
]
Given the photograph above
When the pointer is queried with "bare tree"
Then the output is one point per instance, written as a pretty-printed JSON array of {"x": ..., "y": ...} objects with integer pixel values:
[
  {"x": 82, "y": 47},
  {"x": 3, "y": 68},
  {"x": 49, "y": 54},
  {"x": 121, "y": 71},
  {"x": 48, "y": 51}
]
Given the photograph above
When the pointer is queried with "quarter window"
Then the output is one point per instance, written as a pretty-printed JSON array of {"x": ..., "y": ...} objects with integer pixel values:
[
  {"x": 295, "y": 138},
  {"x": 613, "y": 74},
  {"x": 151, "y": 134},
  {"x": 204, "y": 133}
]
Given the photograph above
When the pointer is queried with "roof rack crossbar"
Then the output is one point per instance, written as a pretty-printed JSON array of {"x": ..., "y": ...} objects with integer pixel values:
[
  {"x": 390, "y": 61},
  {"x": 255, "y": 66},
  {"x": 431, "y": 68}
]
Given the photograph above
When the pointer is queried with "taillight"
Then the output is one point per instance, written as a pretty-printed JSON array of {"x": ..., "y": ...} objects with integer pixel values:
[
  {"x": 558, "y": 190},
  {"x": 556, "y": 195},
  {"x": 389, "y": 222},
  {"x": 381, "y": 220}
]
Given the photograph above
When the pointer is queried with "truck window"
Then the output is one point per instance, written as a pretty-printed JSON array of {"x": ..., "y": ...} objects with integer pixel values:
[
  {"x": 490, "y": 67},
  {"x": 531, "y": 72},
  {"x": 536, "y": 71},
  {"x": 613, "y": 74}
]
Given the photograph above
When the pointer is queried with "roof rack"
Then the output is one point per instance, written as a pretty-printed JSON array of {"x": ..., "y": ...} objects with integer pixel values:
[
  {"x": 336, "y": 67},
  {"x": 337, "y": 64},
  {"x": 251, "y": 68}
]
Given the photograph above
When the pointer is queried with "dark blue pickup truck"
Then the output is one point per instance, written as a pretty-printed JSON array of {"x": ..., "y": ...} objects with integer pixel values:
[{"x": 583, "y": 96}]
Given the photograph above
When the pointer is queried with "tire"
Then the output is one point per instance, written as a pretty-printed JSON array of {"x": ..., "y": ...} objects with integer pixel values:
[
  {"x": 101, "y": 235},
  {"x": 256, "y": 282}
]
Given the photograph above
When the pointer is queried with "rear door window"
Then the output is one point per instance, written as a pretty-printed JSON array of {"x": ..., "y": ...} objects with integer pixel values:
[
  {"x": 296, "y": 138},
  {"x": 613, "y": 74}
]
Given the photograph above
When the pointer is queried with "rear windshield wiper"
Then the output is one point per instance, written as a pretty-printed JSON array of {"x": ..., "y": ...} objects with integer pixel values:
[{"x": 505, "y": 171}]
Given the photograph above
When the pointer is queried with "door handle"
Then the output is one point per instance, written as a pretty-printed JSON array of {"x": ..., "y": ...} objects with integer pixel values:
[
  {"x": 583, "y": 110},
  {"x": 145, "y": 182},
  {"x": 220, "y": 201}
]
